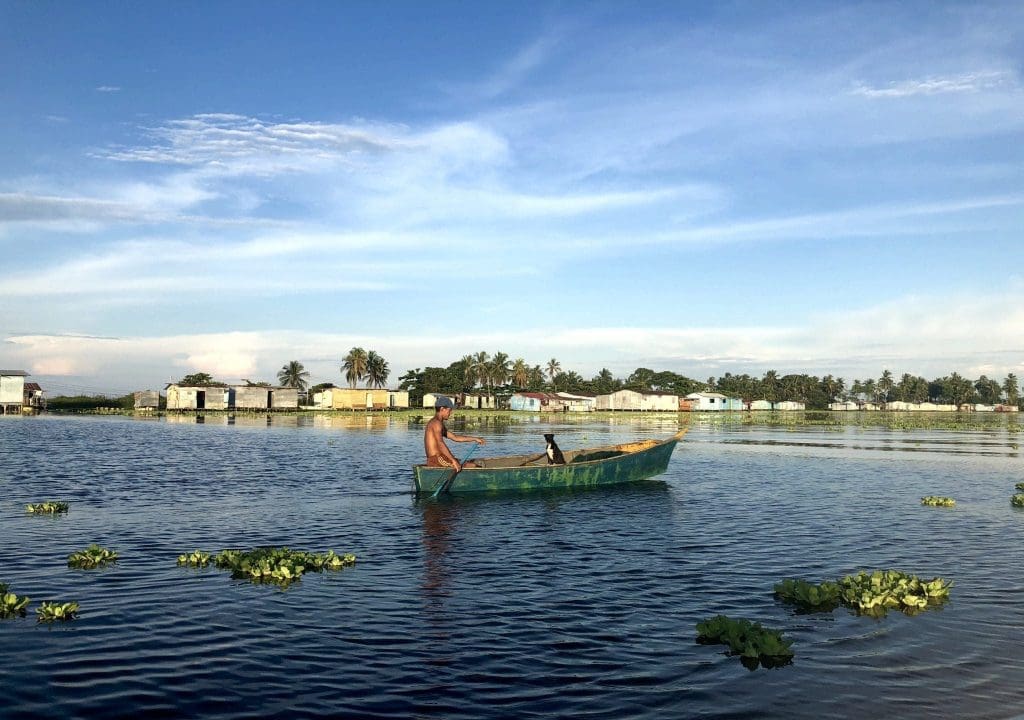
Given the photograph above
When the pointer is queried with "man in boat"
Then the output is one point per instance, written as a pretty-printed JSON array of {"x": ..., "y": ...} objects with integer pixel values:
[{"x": 438, "y": 454}]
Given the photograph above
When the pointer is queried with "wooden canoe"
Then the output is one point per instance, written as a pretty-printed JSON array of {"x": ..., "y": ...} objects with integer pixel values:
[{"x": 609, "y": 465}]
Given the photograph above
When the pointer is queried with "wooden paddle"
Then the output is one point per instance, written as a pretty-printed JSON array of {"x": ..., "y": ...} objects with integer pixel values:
[{"x": 443, "y": 487}]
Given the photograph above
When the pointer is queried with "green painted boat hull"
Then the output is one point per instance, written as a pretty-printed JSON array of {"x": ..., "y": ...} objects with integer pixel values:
[{"x": 612, "y": 465}]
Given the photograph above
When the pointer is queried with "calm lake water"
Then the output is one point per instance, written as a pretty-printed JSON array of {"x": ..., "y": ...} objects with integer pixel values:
[{"x": 561, "y": 604}]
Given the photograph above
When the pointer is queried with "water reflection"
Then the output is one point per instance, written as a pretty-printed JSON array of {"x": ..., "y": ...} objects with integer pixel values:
[
  {"x": 285, "y": 420},
  {"x": 438, "y": 521},
  {"x": 353, "y": 421}
]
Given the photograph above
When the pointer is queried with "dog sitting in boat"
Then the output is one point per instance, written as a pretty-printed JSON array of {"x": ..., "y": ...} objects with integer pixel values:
[{"x": 555, "y": 456}]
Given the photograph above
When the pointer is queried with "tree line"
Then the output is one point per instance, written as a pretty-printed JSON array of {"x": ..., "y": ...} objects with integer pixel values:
[
  {"x": 498, "y": 375},
  {"x": 501, "y": 376}
]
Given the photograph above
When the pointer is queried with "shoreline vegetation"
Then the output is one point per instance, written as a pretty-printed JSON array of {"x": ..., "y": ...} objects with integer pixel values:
[{"x": 895, "y": 420}]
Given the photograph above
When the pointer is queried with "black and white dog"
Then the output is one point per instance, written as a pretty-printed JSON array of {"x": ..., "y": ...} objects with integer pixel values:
[{"x": 555, "y": 456}]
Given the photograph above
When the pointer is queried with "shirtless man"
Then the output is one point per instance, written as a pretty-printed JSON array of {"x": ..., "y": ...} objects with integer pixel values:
[{"x": 438, "y": 454}]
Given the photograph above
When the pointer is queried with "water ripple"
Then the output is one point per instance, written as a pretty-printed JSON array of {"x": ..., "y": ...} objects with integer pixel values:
[{"x": 559, "y": 604}]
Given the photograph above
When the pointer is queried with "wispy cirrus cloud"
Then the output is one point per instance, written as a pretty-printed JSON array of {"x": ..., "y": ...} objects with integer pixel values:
[
  {"x": 971, "y": 82},
  {"x": 108, "y": 89},
  {"x": 231, "y": 144},
  {"x": 387, "y": 174}
]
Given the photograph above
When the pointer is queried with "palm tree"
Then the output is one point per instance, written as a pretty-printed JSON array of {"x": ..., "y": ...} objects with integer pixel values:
[
  {"x": 884, "y": 386},
  {"x": 904, "y": 387},
  {"x": 480, "y": 367},
  {"x": 520, "y": 373},
  {"x": 468, "y": 372},
  {"x": 377, "y": 370},
  {"x": 354, "y": 366},
  {"x": 604, "y": 381},
  {"x": 770, "y": 386},
  {"x": 536, "y": 377},
  {"x": 292, "y": 374},
  {"x": 568, "y": 381},
  {"x": 498, "y": 370},
  {"x": 958, "y": 389},
  {"x": 554, "y": 367},
  {"x": 1011, "y": 389},
  {"x": 868, "y": 387}
]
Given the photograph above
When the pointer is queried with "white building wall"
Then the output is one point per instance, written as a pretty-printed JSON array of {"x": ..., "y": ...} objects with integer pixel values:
[{"x": 12, "y": 389}]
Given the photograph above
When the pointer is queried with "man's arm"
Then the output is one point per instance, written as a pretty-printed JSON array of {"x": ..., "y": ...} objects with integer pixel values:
[{"x": 465, "y": 438}]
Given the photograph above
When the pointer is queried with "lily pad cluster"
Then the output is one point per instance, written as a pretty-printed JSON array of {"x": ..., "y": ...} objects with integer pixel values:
[
  {"x": 47, "y": 508},
  {"x": 754, "y": 643},
  {"x": 873, "y": 593},
  {"x": 49, "y": 612},
  {"x": 10, "y": 604},
  {"x": 93, "y": 556},
  {"x": 938, "y": 501},
  {"x": 277, "y": 565},
  {"x": 197, "y": 558}
]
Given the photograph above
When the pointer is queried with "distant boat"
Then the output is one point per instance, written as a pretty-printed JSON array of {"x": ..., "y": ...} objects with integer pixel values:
[{"x": 609, "y": 465}]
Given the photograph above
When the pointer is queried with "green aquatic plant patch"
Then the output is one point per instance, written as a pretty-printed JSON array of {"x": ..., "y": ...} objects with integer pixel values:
[
  {"x": 809, "y": 597},
  {"x": 1017, "y": 500},
  {"x": 877, "y": 592},
  {"x": 278, "y": 565},
  {"x": 197, "y": 558},
  {"x": 47, "y": 508},
  {"x": 10, "y": 604},
  {"x": 938, "y": 501},
  {"x": 873, "y": 593},
  {"x": 49, "y": 612},
  {"x": 754, "y": 643},
  {"x": 93, "y": 556},
  {"x": 1019, "y": 487}
]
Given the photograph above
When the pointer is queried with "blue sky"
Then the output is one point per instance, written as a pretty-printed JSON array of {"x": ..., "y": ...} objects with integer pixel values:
[{"x": 696, "y": 187}]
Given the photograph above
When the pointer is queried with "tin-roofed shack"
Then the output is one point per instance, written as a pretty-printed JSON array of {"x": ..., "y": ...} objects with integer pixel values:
[
  {"x": 336, "y": 398},
  {"x": 197, "y": 397},
  {"x": 12, "y": 391},
  {"x": 263, "y": 397}
]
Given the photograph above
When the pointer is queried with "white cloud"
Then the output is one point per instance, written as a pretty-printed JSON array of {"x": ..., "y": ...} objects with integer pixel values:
[
  {"x": 970, "y": 82},
  {"x": 108, "y": 89},
  {"x": 889, "y": 219},
  {"x": 24, "y": 207},
  {"x": 926, "y": 335}
]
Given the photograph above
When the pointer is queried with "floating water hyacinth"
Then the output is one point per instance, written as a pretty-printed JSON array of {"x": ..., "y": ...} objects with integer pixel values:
[
  {"x": 866, "y": 593},
  {"x": 10, "y": 604},
  {"x": 277, "y": 565},
  {"x": 47, "y": 508},
  {"x": 808, "y": 597},
  {"x": 49, "y": 612},
  {"x": 1020, "y": 487},
  {"x": 198, "y": 559},
  {"x": 754, "y": 643},
  {"x": 92, "y": 557},
  {"x": 877, "y": 592},
  {"x": 938, "y": 501},
  {"x": 1017, "y": 500}
]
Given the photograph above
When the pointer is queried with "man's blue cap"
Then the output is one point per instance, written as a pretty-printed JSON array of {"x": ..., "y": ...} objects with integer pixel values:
[{"x": 443, "y": 401}]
